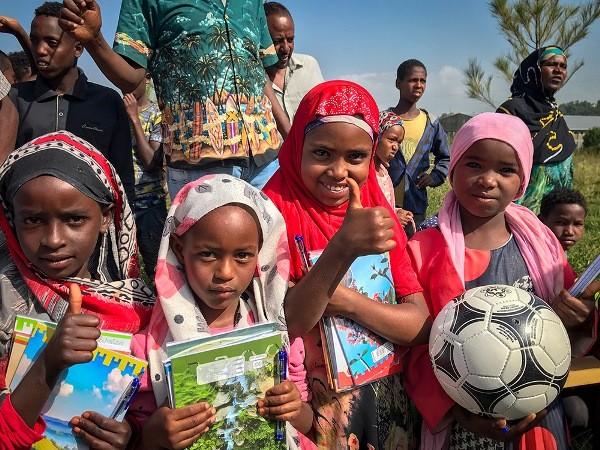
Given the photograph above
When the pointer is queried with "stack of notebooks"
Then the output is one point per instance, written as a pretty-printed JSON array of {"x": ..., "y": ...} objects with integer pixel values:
[
  {"x": 105, "y": 384},
  {"x": 354, "y": 355},
  {"x": 231, "y": 371}
]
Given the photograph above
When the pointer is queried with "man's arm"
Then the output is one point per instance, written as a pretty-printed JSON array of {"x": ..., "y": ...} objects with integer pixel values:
[
  {"x": 82, "y": 20},
  {"x": 12, "y": 26},
  {"x": 283, "y": 123}
]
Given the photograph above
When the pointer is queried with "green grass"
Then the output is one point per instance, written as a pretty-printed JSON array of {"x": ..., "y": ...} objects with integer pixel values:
[{"x": 587, "y": 180}]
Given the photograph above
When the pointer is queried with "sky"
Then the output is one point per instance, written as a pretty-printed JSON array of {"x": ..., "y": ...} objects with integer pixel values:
[{"x": 351, "y": 40}]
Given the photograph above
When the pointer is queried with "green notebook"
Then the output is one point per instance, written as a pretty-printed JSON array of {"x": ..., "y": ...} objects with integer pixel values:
[{"x": 232, "y": 378}]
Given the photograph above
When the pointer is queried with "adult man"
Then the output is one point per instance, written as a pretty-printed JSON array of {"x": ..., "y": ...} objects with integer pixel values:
[
  {"x": 423, "y": 135},
  {"x": 206, "y": 59},
  {"x": 61, "y": 98},
  {"x": 294, "y": 74}
]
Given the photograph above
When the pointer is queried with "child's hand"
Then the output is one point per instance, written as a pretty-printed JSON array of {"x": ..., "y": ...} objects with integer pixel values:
[
  {"x": 177, "y": 428},
  {"x": 497, "y": 429},
  {"x": 282, "y": 402},
  {"x": 572, "y": 311},
  {"x": 424, "y": 180},
  {"x": 130, "y": 105},
  {"x": 100, "y": 432},
  {"x": 74, "y": 339},
  {"x": 404, "y": 216},
  {"x": 365, "y": 231}
]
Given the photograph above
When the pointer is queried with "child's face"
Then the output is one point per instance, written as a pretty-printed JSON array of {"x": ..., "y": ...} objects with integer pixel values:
[
  {"x": 219, "y": 253},
  {"x": 390, "y": 141},
  {"x": 57, "y": 226},
  {"x": 332, "y": 152},
  {"x": 567, "y": 222},
  {"x": 412, "y": 87},
  {"x": 487, "y": 178}
]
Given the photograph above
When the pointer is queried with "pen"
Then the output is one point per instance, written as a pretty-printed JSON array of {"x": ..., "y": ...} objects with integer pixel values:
[
  {"x": 304, "y": 257},
  {"x": 126, "y": 398},
  {"x": 169, "y": 380},
  {"x": 282, "y": 366}
]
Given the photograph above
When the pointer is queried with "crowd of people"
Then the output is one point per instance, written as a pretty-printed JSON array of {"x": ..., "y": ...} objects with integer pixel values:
[{"x": 223, "y": 146}]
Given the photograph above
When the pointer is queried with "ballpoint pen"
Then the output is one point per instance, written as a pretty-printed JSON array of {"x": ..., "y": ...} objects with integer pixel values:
[
  {"x": 282, "y": 366},
  {"x": 126, "y": 398},
  {"x": 304, "y": 256}
]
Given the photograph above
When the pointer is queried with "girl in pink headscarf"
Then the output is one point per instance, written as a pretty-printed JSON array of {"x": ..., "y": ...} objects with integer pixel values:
[{"x": 481, "y": 237}]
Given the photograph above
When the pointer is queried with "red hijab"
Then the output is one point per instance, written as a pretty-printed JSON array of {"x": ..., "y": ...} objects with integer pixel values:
[{"x": 303, "y": 213}]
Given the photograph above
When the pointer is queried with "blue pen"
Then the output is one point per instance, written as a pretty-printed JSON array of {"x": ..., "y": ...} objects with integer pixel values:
[
  {"x": 282, "y": 366},
  {"x": 126, "y": 398},
  {"x": 169, "y": 381},
  {"x": 304, "y": 256}
]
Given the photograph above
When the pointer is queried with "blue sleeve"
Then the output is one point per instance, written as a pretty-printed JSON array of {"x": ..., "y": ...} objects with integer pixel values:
[{"x": 441, "y": 153}]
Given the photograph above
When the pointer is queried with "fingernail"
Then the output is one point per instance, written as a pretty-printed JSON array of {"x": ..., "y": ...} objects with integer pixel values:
[
  {"x": 75, "y": 420},
  {"x": 86, "y": 415},
  {"x": 213, "y": 411},
  {"x": 505, "y": 429}
]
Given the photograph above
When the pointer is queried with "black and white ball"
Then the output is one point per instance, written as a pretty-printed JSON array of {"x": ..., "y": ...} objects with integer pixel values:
[{"x": 500, "y": 351}]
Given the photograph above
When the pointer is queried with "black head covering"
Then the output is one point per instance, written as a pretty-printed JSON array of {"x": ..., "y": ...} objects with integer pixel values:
[{"x": 552, "y": 140}]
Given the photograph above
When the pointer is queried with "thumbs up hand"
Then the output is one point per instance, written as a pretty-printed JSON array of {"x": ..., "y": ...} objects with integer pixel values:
[
  {"x": 365, "y": 231},
  {"x": 74, "y": 339}
]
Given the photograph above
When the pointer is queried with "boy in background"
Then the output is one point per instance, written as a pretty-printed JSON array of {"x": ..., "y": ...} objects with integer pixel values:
[
  {"x": 410, "y": 168},
  {"x": 149, "y": 204},
  {"x": 563, "y": 210}
]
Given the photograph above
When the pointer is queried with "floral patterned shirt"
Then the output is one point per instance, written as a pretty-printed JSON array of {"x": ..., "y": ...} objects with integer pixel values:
[{"x": 207, "y": 59}]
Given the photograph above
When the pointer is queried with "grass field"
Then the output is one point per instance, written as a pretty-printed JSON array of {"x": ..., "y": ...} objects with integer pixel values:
[{"x": 587, "y": 180}]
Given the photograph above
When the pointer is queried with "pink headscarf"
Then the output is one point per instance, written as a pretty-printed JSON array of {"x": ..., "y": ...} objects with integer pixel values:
[{"x": 541, "y": 250}]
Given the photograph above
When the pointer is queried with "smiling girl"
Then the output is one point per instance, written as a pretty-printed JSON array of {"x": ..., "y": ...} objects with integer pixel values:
[{"x": 327, "y": 191}]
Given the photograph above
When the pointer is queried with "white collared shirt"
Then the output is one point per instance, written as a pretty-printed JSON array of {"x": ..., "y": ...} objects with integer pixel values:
[{"x": 301, "y": 75}]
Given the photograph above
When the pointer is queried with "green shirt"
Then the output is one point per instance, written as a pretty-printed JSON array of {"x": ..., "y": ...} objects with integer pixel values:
[{"x": 207, "y": 59}]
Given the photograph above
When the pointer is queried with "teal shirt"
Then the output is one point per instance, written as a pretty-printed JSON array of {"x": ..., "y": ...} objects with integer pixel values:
[{"x": 207, "y": 59}]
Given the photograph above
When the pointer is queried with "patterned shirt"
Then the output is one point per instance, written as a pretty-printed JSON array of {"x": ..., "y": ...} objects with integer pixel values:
[
  {"x": 149, "y": 184},
  {"x": 207, "y": 59}
]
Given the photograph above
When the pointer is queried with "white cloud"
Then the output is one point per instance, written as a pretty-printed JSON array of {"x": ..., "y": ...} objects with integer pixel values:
[
  {"x": 452, "y": 80},
  {"x": 116, "y": 382},
  {"x": 97, "y": 392},
  {"x": 65, "y": 389},
  {"x": 445, "y": 91},
  {"x": 381, "y": 85}
]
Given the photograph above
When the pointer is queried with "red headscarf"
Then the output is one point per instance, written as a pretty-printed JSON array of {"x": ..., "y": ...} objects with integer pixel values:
[
  {"x": 303, "y": 213},
  {"x": 118, "y": 296}
]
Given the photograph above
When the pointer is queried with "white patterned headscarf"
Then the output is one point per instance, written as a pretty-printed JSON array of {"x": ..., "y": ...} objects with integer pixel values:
[{"x": 176, "y": 315}]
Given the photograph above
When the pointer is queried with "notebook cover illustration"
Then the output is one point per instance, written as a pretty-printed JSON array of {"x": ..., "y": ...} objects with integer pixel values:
[
  {"x": 231, "y": 378},
  {"x": 96, "y": 386},
  {"x": 112, "y": 340},
  {"x": 357, "y": 355}
]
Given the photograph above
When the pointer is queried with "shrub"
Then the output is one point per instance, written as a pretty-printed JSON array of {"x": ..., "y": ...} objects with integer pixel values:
[{"x": 592, "y": 138}]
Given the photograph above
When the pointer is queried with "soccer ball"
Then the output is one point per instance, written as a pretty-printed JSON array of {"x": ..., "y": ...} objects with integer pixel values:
[{"x": 500, "y": 351}]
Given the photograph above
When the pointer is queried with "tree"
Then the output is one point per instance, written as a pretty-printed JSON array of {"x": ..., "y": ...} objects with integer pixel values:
[
  {"x": 527, "y": 25},
  {"x": 581, "y": 108}
]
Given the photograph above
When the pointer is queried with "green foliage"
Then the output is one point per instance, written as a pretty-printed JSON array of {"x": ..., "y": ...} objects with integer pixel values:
[
  {"x": 592, "y": 138},
  {"x": 527, "y": 25},
  {"x": 581, "y": 108}
]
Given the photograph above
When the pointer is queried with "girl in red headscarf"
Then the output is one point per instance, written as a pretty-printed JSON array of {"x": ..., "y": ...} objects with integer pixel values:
[{"x": 327, "y": 190}]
